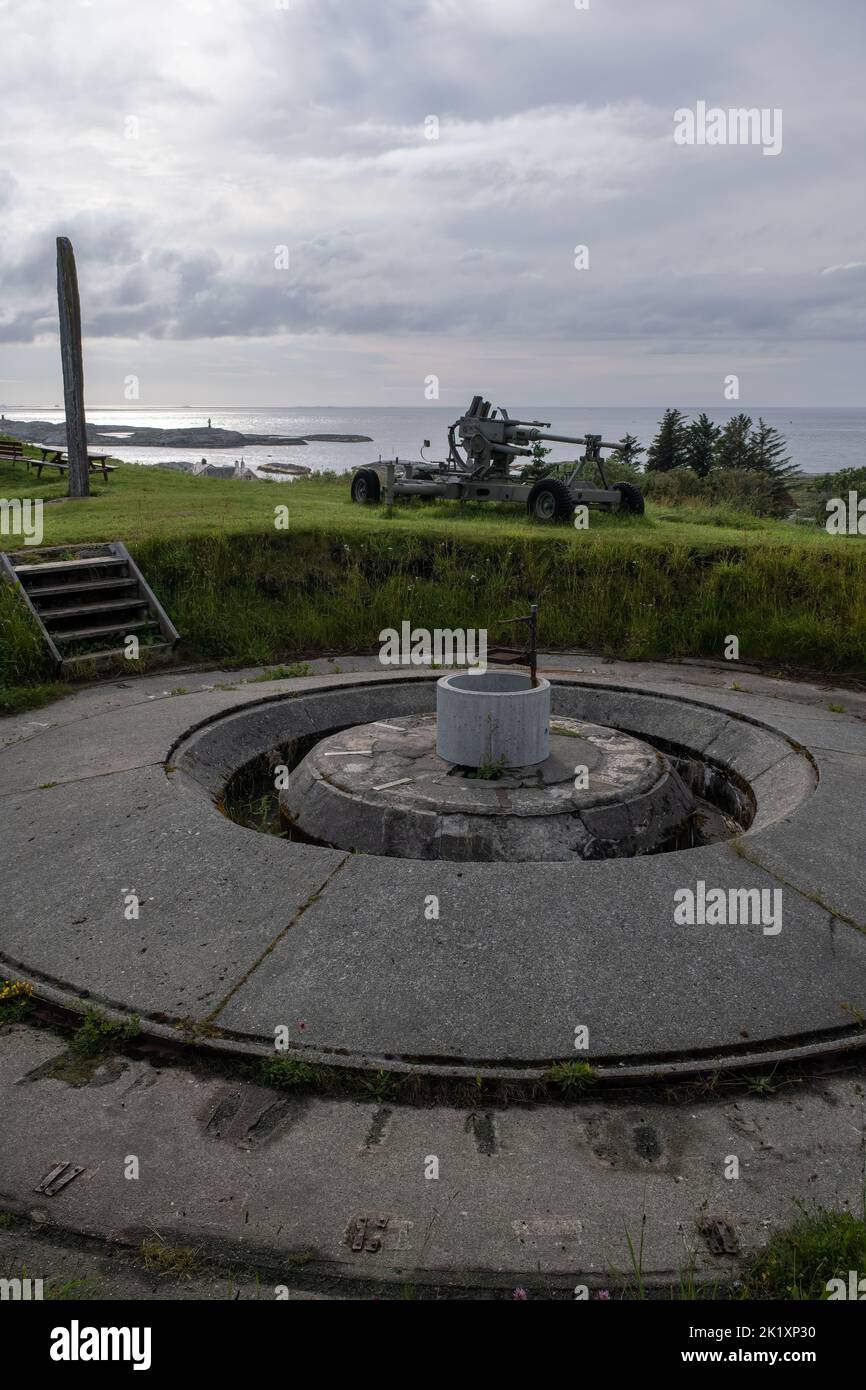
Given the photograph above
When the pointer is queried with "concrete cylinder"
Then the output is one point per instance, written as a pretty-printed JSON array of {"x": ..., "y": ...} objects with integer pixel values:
[{"x": 492, "y": 718}]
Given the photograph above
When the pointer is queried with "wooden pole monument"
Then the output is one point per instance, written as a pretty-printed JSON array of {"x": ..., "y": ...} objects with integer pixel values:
[{"x": 73, "y": 369}]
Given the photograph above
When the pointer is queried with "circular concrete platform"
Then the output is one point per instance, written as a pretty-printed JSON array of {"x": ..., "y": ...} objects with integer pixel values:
[
  {"x": 382, "y": 788},
  {"x": 725, "y": 955}
]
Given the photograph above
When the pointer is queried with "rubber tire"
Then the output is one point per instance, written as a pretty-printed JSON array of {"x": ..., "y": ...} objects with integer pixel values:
[
  {"x": 560, "y": 503},
  {"x": 366, "y": 486},
  {"x": 632, "y": 498}
]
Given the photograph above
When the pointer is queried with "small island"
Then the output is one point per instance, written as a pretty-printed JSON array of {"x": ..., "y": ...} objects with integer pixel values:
[{"x": 53, "y": 434}]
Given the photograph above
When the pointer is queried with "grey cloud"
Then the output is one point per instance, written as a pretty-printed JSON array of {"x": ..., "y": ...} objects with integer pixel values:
[{"x": 305, "y": 127}]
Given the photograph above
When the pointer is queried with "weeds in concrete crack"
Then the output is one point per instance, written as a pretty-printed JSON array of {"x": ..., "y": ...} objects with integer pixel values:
[
  {"x": 286, "y": 1073},
  {"x": 740, "y": 849},
  {"x": 16, "y": 1000},
  {"x": 572, "y": 1076},
  {"x": 170, "y": 1261},
  {"x": 98, "y": 1033},
  {"x": 636, "y": 1256}
]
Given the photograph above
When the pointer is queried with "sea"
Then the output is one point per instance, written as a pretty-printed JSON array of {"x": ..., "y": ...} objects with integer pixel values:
[{"x": 819, "y": 440}]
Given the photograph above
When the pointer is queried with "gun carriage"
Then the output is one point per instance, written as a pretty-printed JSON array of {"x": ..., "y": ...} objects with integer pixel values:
[{"x": 485, "y": 449}]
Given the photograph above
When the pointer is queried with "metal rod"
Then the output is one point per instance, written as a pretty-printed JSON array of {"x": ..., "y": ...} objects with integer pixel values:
[
  {"x": 527, "y": 656},
  {"x": 390, "y": 468},
  {"x": 533, "y": 654}
]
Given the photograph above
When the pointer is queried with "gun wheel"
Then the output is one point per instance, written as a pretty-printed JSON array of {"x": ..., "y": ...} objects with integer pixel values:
[
  {"x": 366, "y": 486},
  {"x": 631, "y": 498},
  {"x": 549, "y": 500}
]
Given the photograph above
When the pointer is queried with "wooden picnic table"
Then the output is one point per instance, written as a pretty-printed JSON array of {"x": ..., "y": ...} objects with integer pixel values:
[{"x": 54, "y": 458}]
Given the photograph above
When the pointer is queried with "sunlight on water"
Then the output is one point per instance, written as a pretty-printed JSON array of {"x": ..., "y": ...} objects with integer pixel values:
[{"x": 819, "y": 440}]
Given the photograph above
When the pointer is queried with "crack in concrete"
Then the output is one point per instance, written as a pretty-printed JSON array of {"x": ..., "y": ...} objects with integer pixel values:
[
  {"x": 833, "y": 912},
  {"x": 313, "y": 898},
  {"x": 74, "y": 781},
  {"x": 140, "y": 702}
]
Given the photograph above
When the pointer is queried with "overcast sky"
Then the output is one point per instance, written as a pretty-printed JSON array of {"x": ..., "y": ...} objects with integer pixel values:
[{"x": 179, "y": 143}]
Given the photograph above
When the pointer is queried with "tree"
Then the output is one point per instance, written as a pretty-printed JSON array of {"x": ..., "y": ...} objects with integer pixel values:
[
  {"x": 769, "y": 457},
  {"x": 628, "y": 451},
  {"x": 701, "y": 438},
  {"x": 735, "y": 444},
  {"x": 768, "y": 451},
  {"x": 538, "y": 466},
  {"x": 668, "y": 448}
]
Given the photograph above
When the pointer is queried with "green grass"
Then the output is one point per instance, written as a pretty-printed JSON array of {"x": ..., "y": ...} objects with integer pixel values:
[
  {"x": 72, "y": 1290},
  {"x": 15, "y": 698},
  {"x": 798, "y": 1262},
  {"x": 572, "y": 1076},
  {"x": 148, "y": 504},
  {"x": 97, "y": 1033},
  {"x": 281, "y": 673},
  {"x": 285, "y": 1073},
  {"x": 670, "y": 584}
]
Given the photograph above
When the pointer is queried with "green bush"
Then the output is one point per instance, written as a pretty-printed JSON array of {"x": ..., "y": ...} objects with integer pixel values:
[
  {"x": 616, "y": 470},
  {"x": 836, "y": 485},
  {"x": 738, "y": 488}
]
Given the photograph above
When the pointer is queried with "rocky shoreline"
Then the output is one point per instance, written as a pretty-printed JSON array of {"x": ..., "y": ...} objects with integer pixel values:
[{"x": 122, "y": 436}]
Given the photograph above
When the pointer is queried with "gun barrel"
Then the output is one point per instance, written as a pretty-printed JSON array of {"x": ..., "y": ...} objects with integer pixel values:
[
  {"x": 513, "y": 449},
  {"x": 569, "y": 439}
]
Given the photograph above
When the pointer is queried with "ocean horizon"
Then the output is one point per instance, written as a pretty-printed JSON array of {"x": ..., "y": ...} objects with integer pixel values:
[{"x": 820, "y": 439}]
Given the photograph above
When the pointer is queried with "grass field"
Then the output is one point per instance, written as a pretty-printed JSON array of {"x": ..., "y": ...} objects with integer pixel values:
[
  {"x": 152, "y": 504},
  {"x": 674, "y": 583}
]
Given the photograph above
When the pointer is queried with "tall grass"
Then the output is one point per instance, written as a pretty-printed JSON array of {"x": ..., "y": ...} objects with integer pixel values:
[
  {"x": 24, "y": 658},
  {"x": 240, "y": 591},
  {"x": 258, "y": 598}
]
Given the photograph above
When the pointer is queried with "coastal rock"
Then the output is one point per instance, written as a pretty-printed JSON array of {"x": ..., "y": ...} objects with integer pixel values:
[
  {"x": 282, "y": 439},
  {"x": 294, "y": 470},
  {"x": 338, "y": 439},
  {"x": 192, "y": 437}
]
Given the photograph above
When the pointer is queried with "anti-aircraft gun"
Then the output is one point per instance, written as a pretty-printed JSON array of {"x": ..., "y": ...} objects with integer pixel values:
[{"x": 484, "y": 451}]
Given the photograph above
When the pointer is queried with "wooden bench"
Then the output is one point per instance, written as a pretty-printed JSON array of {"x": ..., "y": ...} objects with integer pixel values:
[
  {"x": 12, "y": 449},
  {"x": 54, "y": 458}
]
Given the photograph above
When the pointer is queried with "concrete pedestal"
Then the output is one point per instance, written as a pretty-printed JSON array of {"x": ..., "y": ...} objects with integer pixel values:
[{"x": 492, "y": 718}]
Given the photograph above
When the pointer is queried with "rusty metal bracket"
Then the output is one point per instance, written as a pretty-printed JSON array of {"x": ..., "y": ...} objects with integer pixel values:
[
  {"x": 519, "y": 656},
  {"x": 363, "y": 1235},
  {"x": 57, "y": 1178},
  {"x": 721, "y": 1238},
  {"x": 375, "y": 1243}
]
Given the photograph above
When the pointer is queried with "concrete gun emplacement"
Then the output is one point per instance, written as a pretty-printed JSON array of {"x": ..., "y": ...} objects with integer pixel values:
[{"x": 479, "y": 468}]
